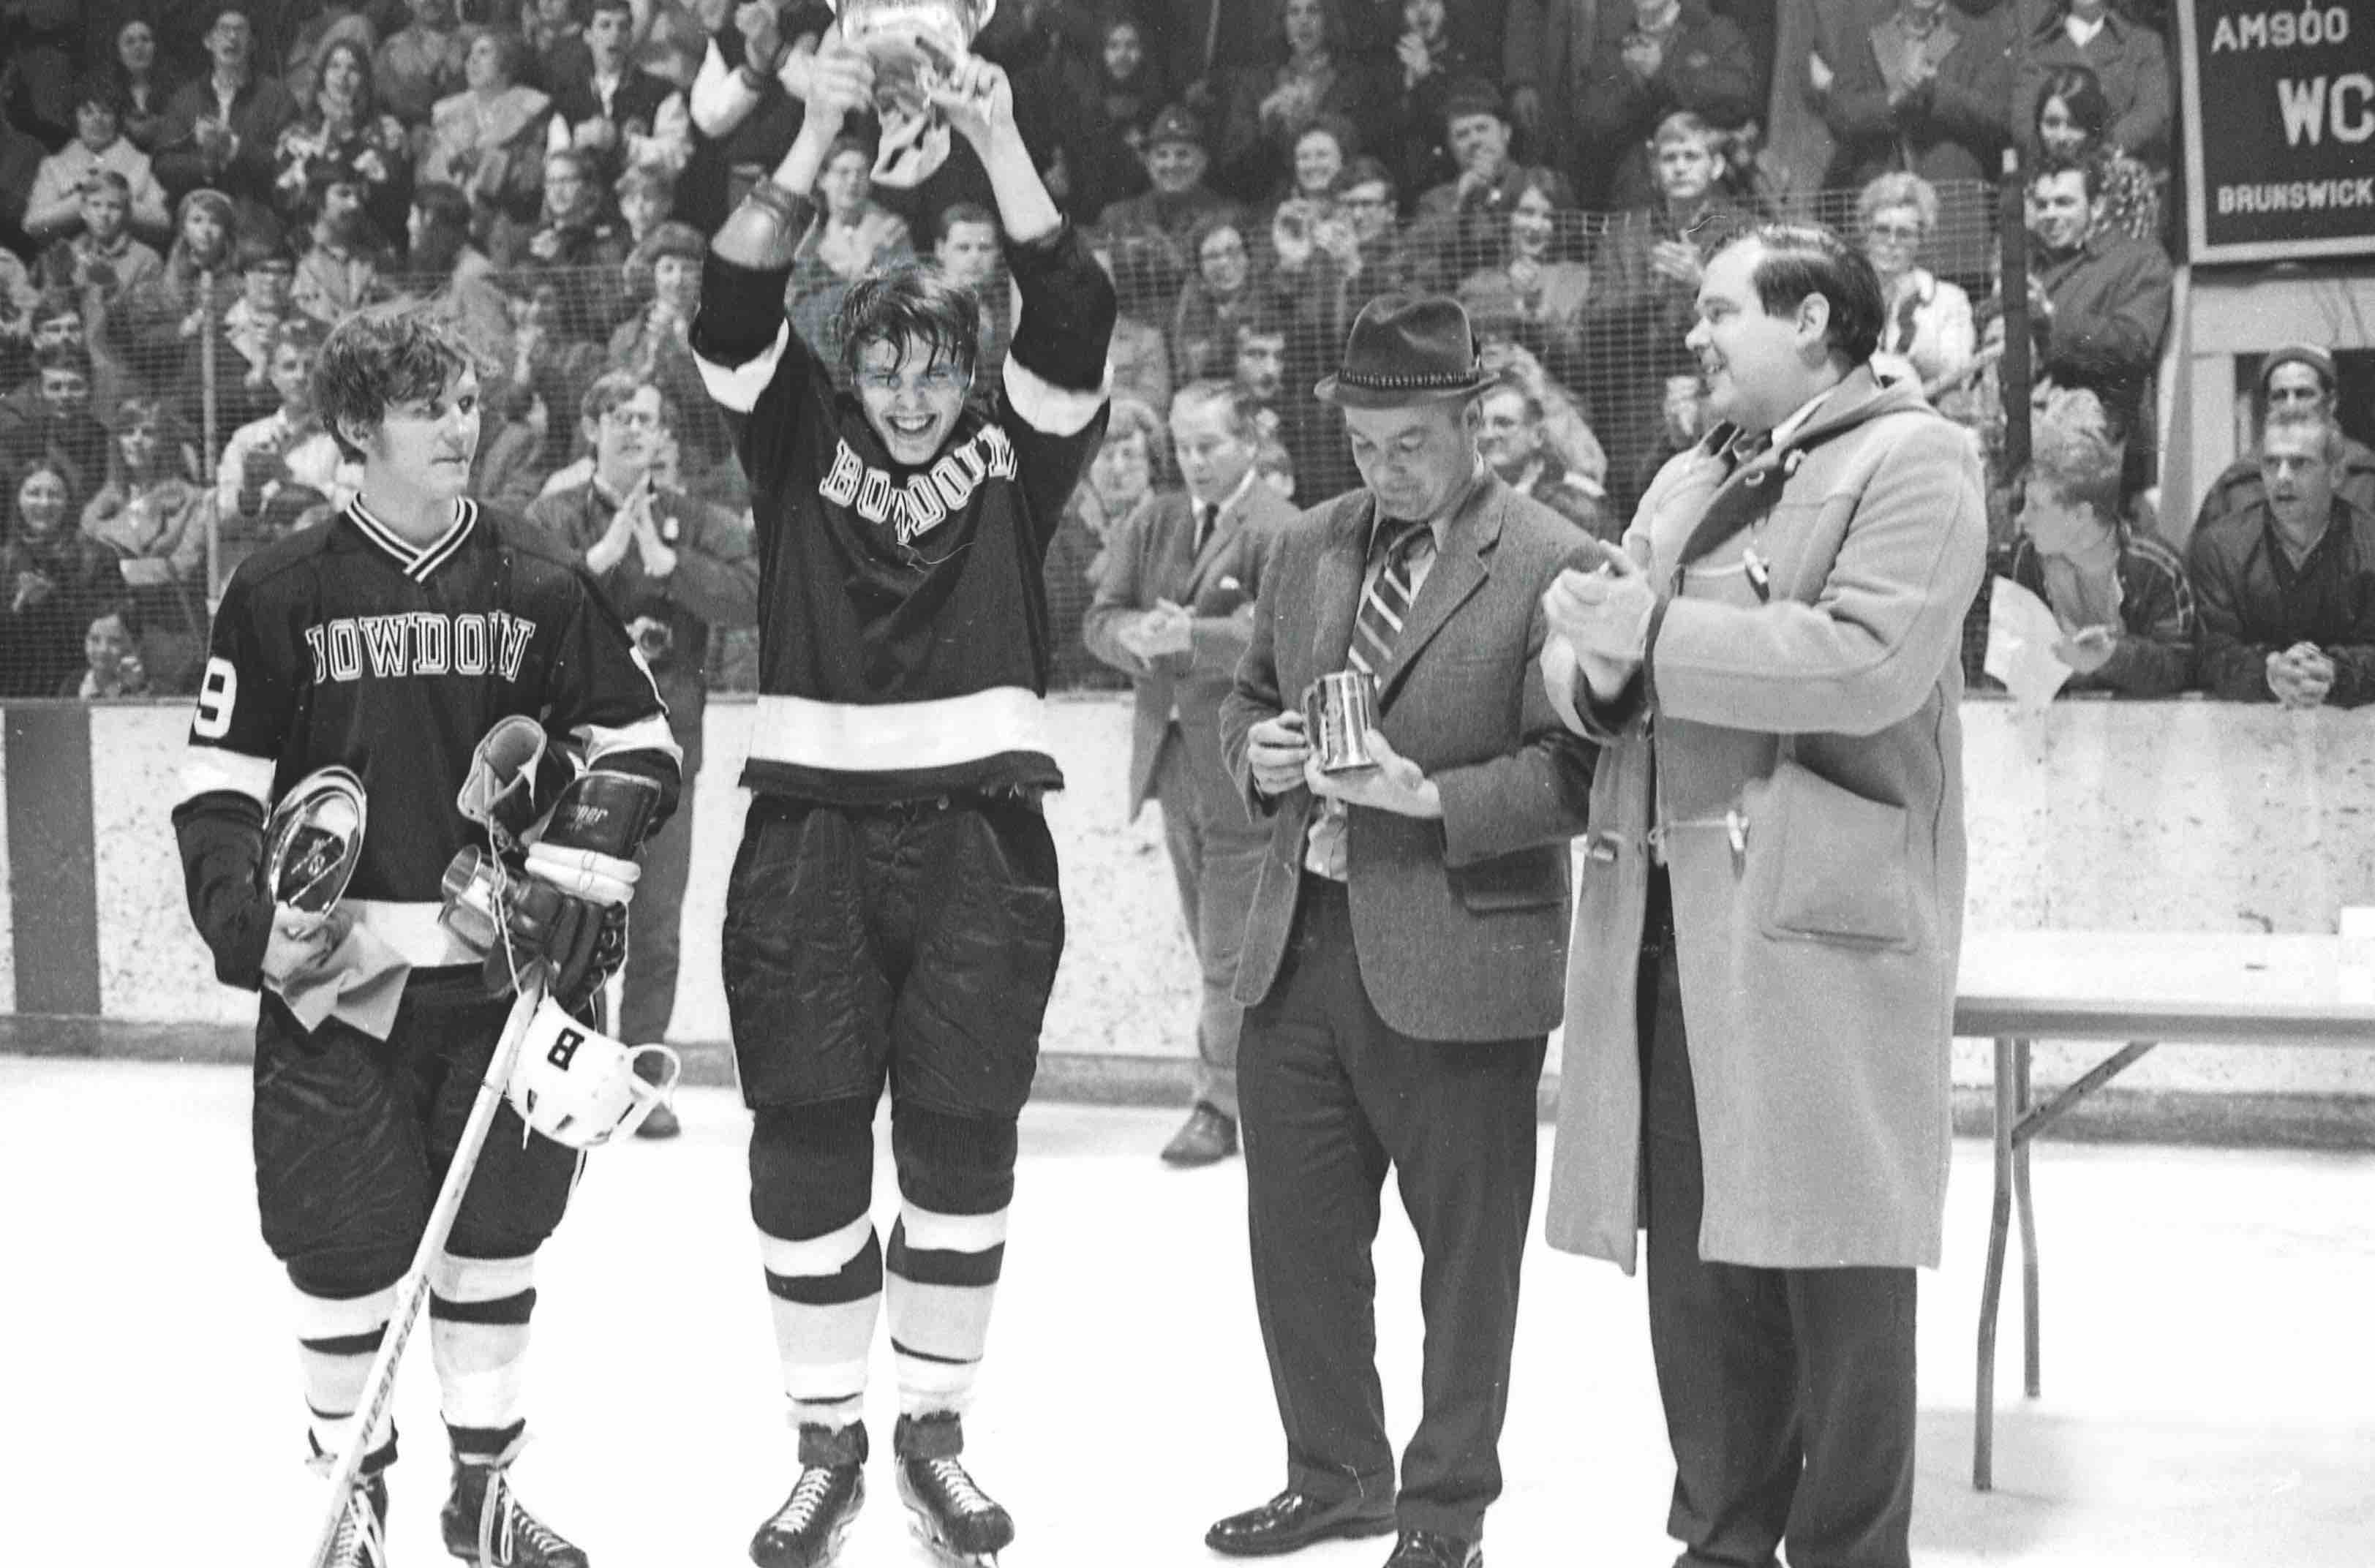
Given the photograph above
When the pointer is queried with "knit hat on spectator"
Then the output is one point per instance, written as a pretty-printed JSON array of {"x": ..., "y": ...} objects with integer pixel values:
[
  {"x": 1473, "y": 95},
  {"x": 2309, "y": 353},
  {"x": 1176, "y": 125}
]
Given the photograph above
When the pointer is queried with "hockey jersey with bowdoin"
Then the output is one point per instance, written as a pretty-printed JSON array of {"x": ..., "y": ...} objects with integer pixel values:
[
  {"x": 347, "y": 645},
  {"x": 904, "y": 643}
]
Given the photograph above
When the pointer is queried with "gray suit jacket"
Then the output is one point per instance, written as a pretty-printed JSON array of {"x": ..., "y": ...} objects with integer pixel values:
[
  {"x": 1461, "y": 925},
  {"x": 1149, "y": 556}
]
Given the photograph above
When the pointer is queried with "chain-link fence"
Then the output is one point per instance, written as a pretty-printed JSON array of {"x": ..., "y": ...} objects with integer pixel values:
[{"x": 156, "y": 426}]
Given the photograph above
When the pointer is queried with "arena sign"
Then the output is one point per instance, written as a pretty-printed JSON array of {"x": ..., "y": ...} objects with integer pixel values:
[{"x": 2279, "y": 128}]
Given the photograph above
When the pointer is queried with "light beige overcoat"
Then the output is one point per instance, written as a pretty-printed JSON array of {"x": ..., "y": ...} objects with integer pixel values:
[{"x": 1800, "y": 700}]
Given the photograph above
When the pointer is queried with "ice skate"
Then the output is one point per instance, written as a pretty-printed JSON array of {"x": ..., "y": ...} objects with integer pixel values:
[
  {"x": 945, "y": 1509},
  {"x": 361, "y": 1539},
  {"x": 486, "y": 1524},
  {"x": 807, "y": 1531}
]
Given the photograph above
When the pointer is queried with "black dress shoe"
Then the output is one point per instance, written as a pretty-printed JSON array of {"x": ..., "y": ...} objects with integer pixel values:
[
  {"x": 1292, "y": 1520},
  {"x": 1424, "y": 1549},
  {"x": 1206, "y": 1137}
]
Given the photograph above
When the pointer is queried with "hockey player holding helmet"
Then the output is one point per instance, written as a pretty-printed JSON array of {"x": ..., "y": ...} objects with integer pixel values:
[
  {"x": 394, "y": 641},
  {"x": 894, "y": 915}
]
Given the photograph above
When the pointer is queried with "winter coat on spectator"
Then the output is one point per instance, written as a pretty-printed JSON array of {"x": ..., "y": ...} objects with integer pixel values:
[
  {"x": 54, "y": 207},
  {"x": 259, "y": 112},
  {"x": 417, "y": 69},
  {"x": 1470, "y": 226},
  {"x": 2153, "y": 657},
  {"x": 1263, "y": 109},
  {"x": 1417, "y": 145},
  {"x": 97, "y": 277},
  {"x": 2253, "y": 601},
  {"x": 2239, "y": 485},
  {"x": 76, "y": 442},
  {"x": 1953, "y": 129},
  {"x": 376, "y": 150},
  {"x": 2110, "y": 299},
  {"x": 2132, "y": 64},
  {"x": 1707, "y": 67},
  {"x": 492, "y": 147},
  {"x": 41, "y": 639},
  {"x": 1928, "y": 329}
]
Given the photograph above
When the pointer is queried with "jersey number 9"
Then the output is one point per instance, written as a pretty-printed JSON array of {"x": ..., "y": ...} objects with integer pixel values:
[{"x": 217, "y": 695}]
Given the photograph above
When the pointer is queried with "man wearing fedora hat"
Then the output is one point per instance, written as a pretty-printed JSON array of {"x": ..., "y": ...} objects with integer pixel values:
[{"x": 1402, "y": 956}]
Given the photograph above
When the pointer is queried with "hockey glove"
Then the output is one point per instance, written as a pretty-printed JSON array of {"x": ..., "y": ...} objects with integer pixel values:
[
  {"x": 587, "y": 850},
  {"x": 520, "y": 924},
  {"x": 513, "y": 777}
]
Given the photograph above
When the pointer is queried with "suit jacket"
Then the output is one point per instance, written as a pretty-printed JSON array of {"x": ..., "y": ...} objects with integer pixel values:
[
  {"x": 1148, "y": 558},
  {"x": 1808, "y": 775},
  {"x": 1460, "y": 926}
]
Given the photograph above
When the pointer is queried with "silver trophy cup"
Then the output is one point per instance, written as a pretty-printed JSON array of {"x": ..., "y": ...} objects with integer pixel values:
[
  {"x": 314, "y": 840},
  {"x": 1339, "y": 712},
  {"x": 915, "y": 45}
]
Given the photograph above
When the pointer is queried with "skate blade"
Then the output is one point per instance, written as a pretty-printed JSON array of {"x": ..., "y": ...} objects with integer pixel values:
[{"x": 943, "y": 1553}]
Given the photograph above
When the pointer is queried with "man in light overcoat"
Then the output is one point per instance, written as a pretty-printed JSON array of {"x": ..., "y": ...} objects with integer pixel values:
[{"x": 1761, "y": 983}]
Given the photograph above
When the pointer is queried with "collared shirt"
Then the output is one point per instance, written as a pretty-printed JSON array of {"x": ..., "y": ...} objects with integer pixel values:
[
  {"x": 1323, "y": 843},
  {"x": 2079, "y": 30}
]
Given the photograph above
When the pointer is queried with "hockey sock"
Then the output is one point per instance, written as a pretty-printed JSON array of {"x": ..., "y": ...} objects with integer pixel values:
[
  {"x": 479, "y": 1310},
  {"x": 956, "y": 1180},
  {"x": 336, "y": 1341},
  {"x": 824, "y": 1294}
]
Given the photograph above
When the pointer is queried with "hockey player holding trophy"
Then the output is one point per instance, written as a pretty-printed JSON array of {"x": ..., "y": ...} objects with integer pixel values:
[
  {"x": 416, "y": 696},
  {"x": 894, "y": 915}
]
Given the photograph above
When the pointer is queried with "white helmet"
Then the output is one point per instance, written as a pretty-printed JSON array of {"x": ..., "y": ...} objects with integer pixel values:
[{"x": 577, "y": 1086}]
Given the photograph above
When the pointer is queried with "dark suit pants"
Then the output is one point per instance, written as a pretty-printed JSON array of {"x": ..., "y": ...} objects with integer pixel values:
[
  {"x": 656, "y": 918},
  {"x": 1330, "y": 1098},
  {"x": 1789, "y": 1392},
  {"x": 1216, "y": 857}
]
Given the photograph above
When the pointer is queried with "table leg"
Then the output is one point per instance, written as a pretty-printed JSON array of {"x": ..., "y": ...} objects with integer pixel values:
[
  {"x": 1992, "y": 1289},
  {"x": 2022, "y": 1197}
]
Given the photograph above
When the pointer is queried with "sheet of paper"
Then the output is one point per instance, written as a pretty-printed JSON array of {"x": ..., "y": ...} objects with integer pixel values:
[{"x": 2021, "y": 636}]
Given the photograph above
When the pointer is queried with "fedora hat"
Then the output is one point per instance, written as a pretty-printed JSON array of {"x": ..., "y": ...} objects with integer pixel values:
[{"x": 1405, "y": 351}]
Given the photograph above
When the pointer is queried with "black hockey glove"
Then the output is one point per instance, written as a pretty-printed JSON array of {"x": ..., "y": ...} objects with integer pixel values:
[{"x": 570, "y": 909}]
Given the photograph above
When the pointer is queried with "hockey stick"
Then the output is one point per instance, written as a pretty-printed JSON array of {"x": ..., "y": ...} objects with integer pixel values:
[{"x": 379, "y": 1389}]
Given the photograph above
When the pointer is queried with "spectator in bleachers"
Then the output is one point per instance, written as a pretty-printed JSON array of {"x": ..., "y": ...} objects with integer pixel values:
[
  {"x": 152, "y": 514},
  {"x": 1152, "y": 234},
  {"x": 1649, "y": 60},
  {"x": 1465, "y": 217},
  {"x": 574, "y": 235},
  {"x": 1304, "y": 274},
  {"x": 100, "y": 262},
  {"x": 277, "y": 469},
  {"x": 510, "y": 469},
  {"x": 617, "y": 116},
  {"x": 341, "y": 133},
  {"x": 2121, "y": 598},
  {"x": 2295, "y": 382},
  {"x": 1382, "y": 259},
  {"x": 1312, "y": 431},
  {"x": 55, "y": 577},
  {"x": 1645, "y": 288},
  {"x": 2071, "y": 119},
  {"x": 2286, "y": 587},
  {"x": 1567, "y": 435},
  {"x": 1547, "y": 47},
  {"x": 967, "y": 255},
  {"x": 555, "y": 36},
  {"x": 654, "y": 346},
  {"x": 43, "y": 40},
  {"x": 854, "y": 235},
  {"x": 645, "y": 199},
  {"x": 669, "y": 41},
  {"x": 1525, "y": 270},
  {"x": 1104, "y": 142},
  {"x": 345, "y": 264},
  {"x": 114, "y": 664},
  {"x": 220, "y": 130},
  {"x": 60, "y": 428},
  {"x": 678, "y": 569},
  {"x": 1928, "y": 332},
  {"x": 442, "y": 266},
  {"x": 348, "y": 22},
  {"x": 1321, "y": 154},
  {"x": 1138, "y": 358},
  {"x": 488, "y": 139},
  {"x": 1312, "y": 78},
  {"x": 2095, "y": 288},
  {"x": 268, "y": 287},
  {"x": 143, "y": 88},
  {"x": 53, "y": 210},
  {"x": 552, "y": 346},
  {"x": 1219, "y": 295},
  {"x": 2129, "y": 62},
  {"x": 422, "y": 64},
  {"x": 1509, "y": 434},
  {"x": 18, "y": 298},
  {"x": 166, "y": 327},
  {"x": 1430, "y": 61}
]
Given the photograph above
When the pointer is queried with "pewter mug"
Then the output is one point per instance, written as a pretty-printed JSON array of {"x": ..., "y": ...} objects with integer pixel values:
[{"x": 1339, "y": 712}]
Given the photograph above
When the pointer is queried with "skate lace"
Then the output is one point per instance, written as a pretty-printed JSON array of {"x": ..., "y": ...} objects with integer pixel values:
[
  {"x": 956, "y": 1486},
  {"x": 808, "y": 1494},
  {"x": 360, "y": 1543},
  {"x": 505, "y": 1526}
]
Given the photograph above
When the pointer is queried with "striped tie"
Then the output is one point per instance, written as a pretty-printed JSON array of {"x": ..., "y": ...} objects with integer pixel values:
[{"x": 1388, "y": 601}]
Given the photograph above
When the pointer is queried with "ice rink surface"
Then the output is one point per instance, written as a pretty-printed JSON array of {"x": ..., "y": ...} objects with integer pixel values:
[{"x": 2209, "y": 1360}]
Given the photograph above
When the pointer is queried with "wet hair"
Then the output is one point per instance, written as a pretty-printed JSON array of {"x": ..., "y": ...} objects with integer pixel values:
[
  {"x": 378, "y": 358},
  {"x": 914, "y": 305},
  {"x": 1798, "y": 259}
]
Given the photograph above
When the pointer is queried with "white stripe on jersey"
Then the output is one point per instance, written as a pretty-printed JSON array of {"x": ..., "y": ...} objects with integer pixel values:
[
  {"x": 1046, "y": 408},
  {"x": 645, "y": 735},
  {"x": 205, "y": 769},
  {"x": 417, "y": 560},
  {"x": 738, "y": 386},
  {"x": 413, "y": 931},
  {"x": 892, "y": 737}
]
